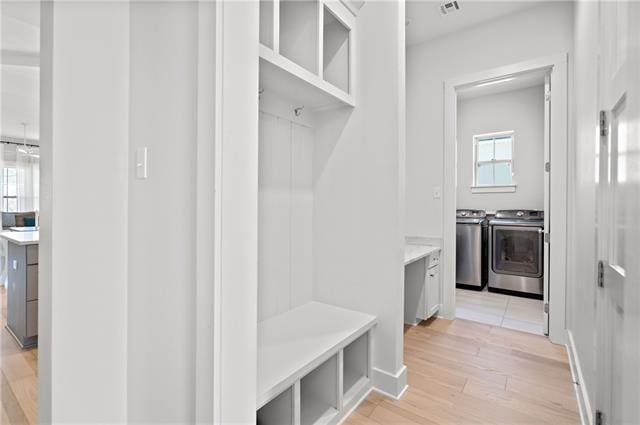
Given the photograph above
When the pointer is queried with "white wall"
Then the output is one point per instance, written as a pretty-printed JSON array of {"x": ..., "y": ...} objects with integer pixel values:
[
  {"x": 521, "y": 111},
  {"x": 162, "y": 215},
  {"x": 119, "y": 279},
  {"x": 581, "y": 270},
  {"x": 504, "y": 41},
  {"x": 83, "y": 312},
  {"x": 359, "y": 178},
  {"x": 285, "y": 227}
]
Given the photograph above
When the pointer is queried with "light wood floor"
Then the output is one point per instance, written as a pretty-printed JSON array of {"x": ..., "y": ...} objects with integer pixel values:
[
  {"x": 18, "y": 376},
  {"x": 463, "y": 372}
]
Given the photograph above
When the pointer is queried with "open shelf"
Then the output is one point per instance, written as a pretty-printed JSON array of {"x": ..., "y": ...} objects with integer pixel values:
[
  {"x": 355, "y": 366},
  {"x": 299, "y": 32},
  {"x": 319, "y": 393},
  {"x": 278, "y": 411},
  {"x": 335, "y": 52},
  {"x": 267, "y": 23},
  {"x": 294, "y": 83}
]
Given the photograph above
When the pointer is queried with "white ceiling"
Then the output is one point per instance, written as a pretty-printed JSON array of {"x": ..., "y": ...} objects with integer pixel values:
[
  {"x": 426, "y": 22},
  {"x": 19, "y": 84}
]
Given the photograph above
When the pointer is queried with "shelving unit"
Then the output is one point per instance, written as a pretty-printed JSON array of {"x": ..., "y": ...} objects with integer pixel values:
[
  {"x": 306, "y": 51},
  {"x": 313, "y": 348}
]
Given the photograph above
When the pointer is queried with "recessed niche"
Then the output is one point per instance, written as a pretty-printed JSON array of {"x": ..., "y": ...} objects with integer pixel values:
[
  {"x": 355, "y": 365},
  {"x": 335, "y": 52},
  {"x": 299, "y": 33},
  {"x": 266, "y": 23},
  {"x": 278, "y": 411},
  {"x": 319, "y": 393}
]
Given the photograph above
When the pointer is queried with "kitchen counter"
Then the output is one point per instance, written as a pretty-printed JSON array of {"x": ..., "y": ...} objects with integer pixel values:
[
  {"x": 414, "y": 252},
  {"x": 21, "y": 238}
]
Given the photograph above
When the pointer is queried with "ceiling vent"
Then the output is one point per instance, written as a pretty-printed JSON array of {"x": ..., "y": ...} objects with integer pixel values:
[{"x": 449, "y": 7}]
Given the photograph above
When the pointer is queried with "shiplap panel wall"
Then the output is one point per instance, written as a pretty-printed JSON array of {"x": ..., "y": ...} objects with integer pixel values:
[{"x": 285, "y": 215}]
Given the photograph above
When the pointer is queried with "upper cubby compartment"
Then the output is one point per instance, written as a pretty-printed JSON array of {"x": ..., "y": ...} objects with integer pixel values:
[
  {"x": 306, "y": 49},
  {"x": 299, "y": 32},
  {"x": 335, "y": 53},
  {"x": 266, "y": 23}
]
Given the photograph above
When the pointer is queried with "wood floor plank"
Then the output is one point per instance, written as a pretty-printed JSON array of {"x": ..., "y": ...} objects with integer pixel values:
[{"x": 462, "y": 372}]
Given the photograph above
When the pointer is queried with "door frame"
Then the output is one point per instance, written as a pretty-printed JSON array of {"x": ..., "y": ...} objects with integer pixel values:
[{"x": 558, "y": 182}]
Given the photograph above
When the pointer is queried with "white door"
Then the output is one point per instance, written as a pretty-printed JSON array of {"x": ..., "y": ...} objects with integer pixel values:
[
  {"x": 618, "y": 244},
  {"x": 547, "y": 194}
]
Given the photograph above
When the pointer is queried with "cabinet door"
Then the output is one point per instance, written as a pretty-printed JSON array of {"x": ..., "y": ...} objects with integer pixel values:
[{"x": 433, "y": 290}]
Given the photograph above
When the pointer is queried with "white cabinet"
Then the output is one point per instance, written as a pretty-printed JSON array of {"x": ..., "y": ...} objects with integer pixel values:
[
  {"x": 422, "y": 297},
  {"x": 432, "y": 291}
]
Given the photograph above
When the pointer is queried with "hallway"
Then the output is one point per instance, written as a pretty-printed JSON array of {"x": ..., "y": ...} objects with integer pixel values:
[{"x": 463, "y": 372}]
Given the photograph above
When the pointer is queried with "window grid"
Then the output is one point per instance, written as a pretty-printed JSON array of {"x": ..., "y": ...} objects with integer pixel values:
[{"x": 492, "y": 137}]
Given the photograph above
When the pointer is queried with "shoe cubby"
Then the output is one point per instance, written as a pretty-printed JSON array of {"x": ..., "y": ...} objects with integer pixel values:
[
  {"x": 319, "y": 393},
  {"x": 355, "y": 366},
  {"x": 278, "y": 411}
]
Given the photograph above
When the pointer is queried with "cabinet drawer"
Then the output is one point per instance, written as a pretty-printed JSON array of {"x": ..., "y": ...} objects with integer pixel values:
[
  {"x": 434, "y": 259},
  {"x": 32, "y": 254},
  {"x": 32, "y": 282},
  {"x": 32, "y": 319}
]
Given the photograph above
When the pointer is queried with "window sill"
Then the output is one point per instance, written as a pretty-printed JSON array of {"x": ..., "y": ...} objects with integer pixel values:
[{"x": 509, "y": 188}]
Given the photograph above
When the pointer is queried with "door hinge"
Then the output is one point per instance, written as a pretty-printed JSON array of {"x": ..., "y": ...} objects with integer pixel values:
[
  {"x": 604, "y": 126},
  {"x": 547, "y": 95},
  {"x": 600, "y": 274},
  {"x": 546, "y": 308},
  {"x": 599, "y": 418},
  {"x": 547, "y": 167},
  {"x": 547, "y": 237}
]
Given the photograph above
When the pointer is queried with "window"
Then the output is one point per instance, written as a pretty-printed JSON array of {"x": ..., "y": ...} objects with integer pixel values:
[
  {"x": 493, "y": 161},
  {"x": 9, "y": 190}
]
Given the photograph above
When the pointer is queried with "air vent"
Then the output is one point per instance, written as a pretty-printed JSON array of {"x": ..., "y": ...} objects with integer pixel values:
[{"x": 449, "y": 7}]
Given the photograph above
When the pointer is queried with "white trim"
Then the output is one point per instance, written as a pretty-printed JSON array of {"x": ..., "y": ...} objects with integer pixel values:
[
  {"x": 558, "y": 184},
  {"x": 582, "y": 395},
  {"x": 391, "y": 385},
  {"x": 494, "y": 188}
]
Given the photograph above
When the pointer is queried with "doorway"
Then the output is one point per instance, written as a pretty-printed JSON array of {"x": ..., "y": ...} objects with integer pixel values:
[{"x": 550, "y": 75}]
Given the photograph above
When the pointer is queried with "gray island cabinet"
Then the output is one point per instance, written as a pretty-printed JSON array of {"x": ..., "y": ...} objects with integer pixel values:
[{"x": 22, "y": 286}]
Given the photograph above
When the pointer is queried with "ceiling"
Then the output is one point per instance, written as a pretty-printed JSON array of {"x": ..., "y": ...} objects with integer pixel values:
[
  {"x": 426, "y": 22},
  {"x": 19, "y": 73}
]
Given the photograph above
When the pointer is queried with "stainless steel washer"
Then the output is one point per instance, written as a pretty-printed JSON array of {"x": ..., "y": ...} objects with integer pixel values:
[
  {"x": 471, "y": 249},
  {"x": 516, "y": 247}
]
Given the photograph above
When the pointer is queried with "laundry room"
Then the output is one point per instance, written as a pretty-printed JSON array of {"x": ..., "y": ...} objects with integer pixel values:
[{"x": 500, "y": 201}]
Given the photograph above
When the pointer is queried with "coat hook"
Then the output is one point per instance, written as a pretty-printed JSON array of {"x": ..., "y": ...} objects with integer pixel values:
[{"x": 298, "y": 111}]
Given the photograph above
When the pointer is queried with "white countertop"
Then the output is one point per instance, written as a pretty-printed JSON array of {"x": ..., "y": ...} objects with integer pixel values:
[
  {"x": 290, "y": 342},
  {"x": 21, "y": 238},
  {"x": 416, "y": 252}
]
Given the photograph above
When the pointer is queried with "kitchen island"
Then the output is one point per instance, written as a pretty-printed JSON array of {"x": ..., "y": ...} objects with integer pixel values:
[{"x": 22, "y": 286}]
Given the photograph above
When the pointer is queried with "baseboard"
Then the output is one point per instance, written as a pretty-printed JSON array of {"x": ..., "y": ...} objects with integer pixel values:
[
  {"x": 391, "y": 385},
  {"x": 582, "y": 396}
]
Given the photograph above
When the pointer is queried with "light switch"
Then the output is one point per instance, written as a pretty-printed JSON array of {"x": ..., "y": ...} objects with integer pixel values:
[
  {"x": 15, "y": 264},
  {"x": 141, "y": 163},
  {"x": 436, "y": 192}
]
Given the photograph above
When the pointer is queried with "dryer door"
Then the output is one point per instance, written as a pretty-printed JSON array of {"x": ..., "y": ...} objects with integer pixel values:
[{"x": 517, "y": 251}]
